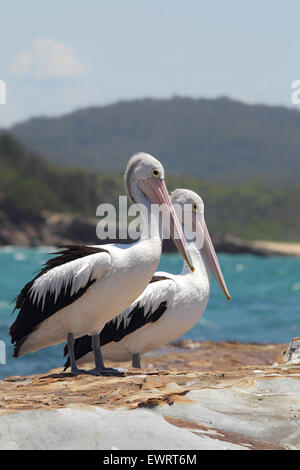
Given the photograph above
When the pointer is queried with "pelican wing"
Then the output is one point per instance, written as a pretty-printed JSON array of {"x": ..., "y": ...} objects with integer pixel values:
[
  {"x": 61, "y": 282},
  {"x": 147, "y": 308}
]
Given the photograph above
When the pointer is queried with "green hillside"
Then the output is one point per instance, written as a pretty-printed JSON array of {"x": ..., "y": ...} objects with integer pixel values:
[
  {"x": 215, "y": 139},
  {"x": 33, "y": 184},
  {"x": 30, "y": 183}
]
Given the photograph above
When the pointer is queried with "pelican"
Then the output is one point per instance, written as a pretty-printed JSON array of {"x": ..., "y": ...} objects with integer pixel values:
[
  {"x": 170, "y": 305},
  {"x": 84, "y": 287}
]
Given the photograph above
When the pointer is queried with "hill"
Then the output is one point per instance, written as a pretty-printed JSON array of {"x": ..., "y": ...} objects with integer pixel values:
[
  {"x": 216, "y": 139},
  {"x": 33, "y": 184},
  {"x": 30, "y": 185}
]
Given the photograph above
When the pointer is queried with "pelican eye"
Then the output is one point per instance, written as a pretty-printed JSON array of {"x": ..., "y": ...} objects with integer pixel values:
[
  {"x": 195, "y": 207},
  {"x": 156, "y": 173}
]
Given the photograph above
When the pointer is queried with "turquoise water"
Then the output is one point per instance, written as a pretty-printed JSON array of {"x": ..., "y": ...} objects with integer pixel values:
[{"x": 265, "y": 304}]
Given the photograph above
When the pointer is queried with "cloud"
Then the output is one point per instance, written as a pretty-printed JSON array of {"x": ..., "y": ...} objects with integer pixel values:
[{"x": 47, "y": 58}]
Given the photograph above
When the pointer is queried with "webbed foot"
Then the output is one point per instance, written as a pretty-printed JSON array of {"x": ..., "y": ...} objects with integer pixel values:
[{"x": 108, "y": 372}]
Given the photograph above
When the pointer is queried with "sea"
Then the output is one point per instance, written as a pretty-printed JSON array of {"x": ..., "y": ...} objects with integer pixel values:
[{"x": 265, "y": 305}]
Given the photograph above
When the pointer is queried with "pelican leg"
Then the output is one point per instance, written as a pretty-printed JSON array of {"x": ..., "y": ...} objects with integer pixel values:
[
  {"x": 100, "y": 368},
  {"x": 74, "y": 368},
  {"x": 136, "y": 361}
]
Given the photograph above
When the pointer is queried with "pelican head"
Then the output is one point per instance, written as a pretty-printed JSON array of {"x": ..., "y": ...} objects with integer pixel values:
[
  {"x": 192, "y": 206},
  {"x": 144, "y": 179},
  {"x": 141, "y": 166}
]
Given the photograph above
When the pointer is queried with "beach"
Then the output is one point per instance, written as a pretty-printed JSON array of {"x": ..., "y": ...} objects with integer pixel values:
[{"x": 279, "y": 248}]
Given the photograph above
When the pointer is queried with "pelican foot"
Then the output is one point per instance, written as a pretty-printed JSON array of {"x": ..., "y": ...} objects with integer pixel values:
[
  {"x": 108, "y": 372},
  {"x": 75, "y": 372}
]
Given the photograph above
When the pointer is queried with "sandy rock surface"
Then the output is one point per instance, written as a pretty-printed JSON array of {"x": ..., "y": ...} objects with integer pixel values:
[{"x": 190, "y": 395}]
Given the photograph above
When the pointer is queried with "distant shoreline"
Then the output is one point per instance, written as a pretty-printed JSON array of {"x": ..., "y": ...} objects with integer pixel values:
[
  {"x": 286, "y": 248},
  {"x": 230, "y": 244},
  {"x": 54, "y": 229},
  {"x": 258, "y": 248}
]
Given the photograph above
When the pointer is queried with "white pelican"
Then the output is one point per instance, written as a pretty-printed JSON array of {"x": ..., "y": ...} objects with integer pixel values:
[
  {"x": 170, "y": 305},
  {"x": 62, "y": 301}
]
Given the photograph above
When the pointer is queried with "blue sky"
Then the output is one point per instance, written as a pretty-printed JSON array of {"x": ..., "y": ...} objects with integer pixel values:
[{"x": 60, "y": 55}]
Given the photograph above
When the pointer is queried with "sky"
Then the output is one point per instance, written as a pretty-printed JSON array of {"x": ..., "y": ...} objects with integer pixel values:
[{"x": 65, "y": 54}]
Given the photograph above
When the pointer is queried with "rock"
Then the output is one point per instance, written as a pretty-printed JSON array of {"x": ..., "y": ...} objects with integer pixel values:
[
  {"x": 90, "y": 427},
  {"x": 292, "y": 355},
  {"x": 201, "y": 395}
]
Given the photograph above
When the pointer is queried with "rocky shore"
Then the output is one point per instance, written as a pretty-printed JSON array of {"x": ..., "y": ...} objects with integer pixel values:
[
  {"x": 190, "y": 395},
  {"x": 52, "y": 229}
]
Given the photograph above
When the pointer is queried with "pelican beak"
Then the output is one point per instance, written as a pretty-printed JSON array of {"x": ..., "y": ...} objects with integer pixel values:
[
  {"x": 156, "y": 191},
  {"x": 211, "y": 257}
]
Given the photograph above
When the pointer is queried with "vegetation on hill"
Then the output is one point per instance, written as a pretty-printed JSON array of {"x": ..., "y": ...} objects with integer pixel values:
[
  {"x": 34, "y": 184},
  {"x": 30, "y": 183},
  {"x": 216, "y": 139}
]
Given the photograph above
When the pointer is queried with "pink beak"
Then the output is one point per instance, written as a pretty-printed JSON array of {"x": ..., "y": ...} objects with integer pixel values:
[
  {"x": 156, "y": 191},
  {"x": 210, "y": 256}
]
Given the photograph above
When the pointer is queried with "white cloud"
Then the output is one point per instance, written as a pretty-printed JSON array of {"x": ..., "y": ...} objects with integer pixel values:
[{"x": 47, "y": 58}]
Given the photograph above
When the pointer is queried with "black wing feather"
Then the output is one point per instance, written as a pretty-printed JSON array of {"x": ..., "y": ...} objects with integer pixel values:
[{"x": 30, "y": 312}]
